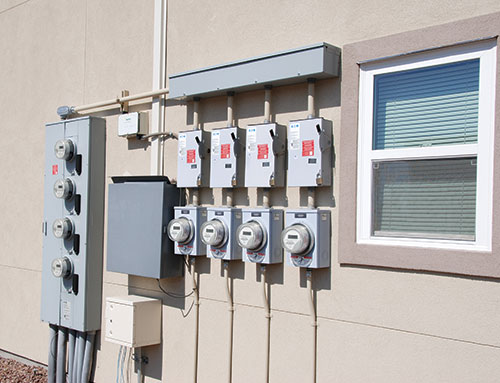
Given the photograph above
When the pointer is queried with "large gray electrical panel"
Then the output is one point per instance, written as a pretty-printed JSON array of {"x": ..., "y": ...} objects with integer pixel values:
[
  {"x": 73, "y": 223},
  {"x": 227, "y": 161},
  {"x": 139, "y": 210},
  {"x": 265, "y": 155},
  {"x": 219, "y": 233},
  {"x": 193, "y": 159},
  {"x": 310, "y": 152},
  {"x": 306, "y": 238},
  {"x": 185, "y": 228},
  {"x": 259, "y": 235}
]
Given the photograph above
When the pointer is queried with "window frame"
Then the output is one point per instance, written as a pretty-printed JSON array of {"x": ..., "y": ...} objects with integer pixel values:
[{"x": 486, "y": 51}]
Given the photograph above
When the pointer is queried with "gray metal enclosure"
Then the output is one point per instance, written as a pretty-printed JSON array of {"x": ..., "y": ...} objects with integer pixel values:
[{"x": 74, "y": 301}]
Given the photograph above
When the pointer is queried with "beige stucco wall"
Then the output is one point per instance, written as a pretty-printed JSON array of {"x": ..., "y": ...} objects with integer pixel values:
[{"x": 374, "y": 325}]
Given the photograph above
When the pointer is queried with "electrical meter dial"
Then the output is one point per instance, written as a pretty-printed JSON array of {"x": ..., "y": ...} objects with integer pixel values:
[
  {"x": 297, "y": 239},
  {"x": 63, "y": 228},
  {"x": 251, "y": 235},
  {"x": 62, "y": 267},
  {"x": 64, "y": 188},
  {"x": 214, "y": 233},
  {"x": 181, "y": 230},
  {"x": 64, "y": 149}
]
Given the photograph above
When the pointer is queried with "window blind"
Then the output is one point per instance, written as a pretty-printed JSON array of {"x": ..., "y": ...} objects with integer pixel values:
[
  {"x": 436, "y": 105},
  {"x": 425, "y": 198}
]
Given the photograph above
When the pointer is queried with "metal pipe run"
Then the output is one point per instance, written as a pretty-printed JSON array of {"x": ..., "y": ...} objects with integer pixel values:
[
  {"x": 267, "y": 311},
  {"x": 71, "y": 353},
  {"x": 230, "y": 99},
  {"x": 52, "y": 362},
  {"x": 312, "y": 310},
  {"x": 61, "y": 355},
  {"x": 231, "y": 320},
  {"x": 267, "y": 104},
  {"x": 310, "y": 97},
  {"x": 87, "y": 357}
]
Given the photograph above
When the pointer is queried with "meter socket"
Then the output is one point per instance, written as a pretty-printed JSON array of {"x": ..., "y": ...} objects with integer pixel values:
[
  {"x": 258, "y": 235},
  {"x": 306, "y": 238},
  {"x": 184, "y": 230},
  {"x": 219, "y": 233}
]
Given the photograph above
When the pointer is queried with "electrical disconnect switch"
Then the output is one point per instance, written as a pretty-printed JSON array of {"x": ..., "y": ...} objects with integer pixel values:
[
  {"x": 193, "y": 159},
  {"x": 310, "y": 152},
  {"x": 227, "y": 157},
  {"x": 265, "y": 155},
  {"x": 218, "y": 233},
  {"x": 184, "y": 230},
  {"x": 258, "y": 235},
  {"x": 73, "y": 197},
  {"x": 306, "y": 238}
]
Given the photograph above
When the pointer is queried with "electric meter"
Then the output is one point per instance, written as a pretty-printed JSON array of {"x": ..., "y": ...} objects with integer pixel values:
[
  {"x": 64, "y": 188},
  {"x": 62, "y": 267},
  {"x": 181, "y": 230},
  {"x": 64, "y": 149},
  {"x": 214, "y": 233},
  {"x": 297, "y": 239},
  {"x": 251, "y": 235},
  {"x": 62, "y": 228}
]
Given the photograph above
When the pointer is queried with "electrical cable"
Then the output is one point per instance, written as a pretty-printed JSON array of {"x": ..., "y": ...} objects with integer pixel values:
[
  {"x": 173, "y": 295},
  {"x": 312, "y": 308},
  {"x": 118, "y": 365},
  {"x": 231, "y": 319}
]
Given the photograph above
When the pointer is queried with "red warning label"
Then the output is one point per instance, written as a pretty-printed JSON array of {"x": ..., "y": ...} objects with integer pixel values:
[
  {"x": 262, "y": 152},
  {"x": 191, "y": 156},
  {"x": 225, "y": 151},
  {"x": 55, "y": 170},
  {"x": 307, "y": 148}
]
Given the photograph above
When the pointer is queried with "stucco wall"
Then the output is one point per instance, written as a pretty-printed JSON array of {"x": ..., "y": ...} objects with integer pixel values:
[{"x": 375, "y": 325}]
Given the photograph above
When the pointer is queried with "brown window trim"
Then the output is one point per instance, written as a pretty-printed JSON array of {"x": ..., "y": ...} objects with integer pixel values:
[{"x": 485, "y": 264}]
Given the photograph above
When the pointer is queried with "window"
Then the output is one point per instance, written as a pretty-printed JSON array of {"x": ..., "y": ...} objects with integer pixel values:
[{"x": 425, "y": 149}]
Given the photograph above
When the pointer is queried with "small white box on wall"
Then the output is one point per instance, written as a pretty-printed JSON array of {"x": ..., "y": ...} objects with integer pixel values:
[
  {"x": 133, "y": 124},
  {"x": 133, "y": 321}
]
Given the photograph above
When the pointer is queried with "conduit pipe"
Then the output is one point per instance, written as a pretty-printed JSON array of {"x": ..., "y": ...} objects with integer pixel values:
[
  {"x": 267, "y": 103},
  {"x": 231, "y": 319},
  {"x": 138, "y": 358},
  {"x": 52, "y": 362},
  {"x": 310, "y": 97},
  {"x": 230, "y": 98},
  {"x": 71, "y": 353},
  {"x": 80, "y": 350},
  {"x": 312, "y": 310},
  {"x": 61, "y": 355},
  {"x": 196, "y": 126},
  {"x": 197, "y": 317},
  {"x": 267, "y": 310},
  {"x": 87, "y": 357}
]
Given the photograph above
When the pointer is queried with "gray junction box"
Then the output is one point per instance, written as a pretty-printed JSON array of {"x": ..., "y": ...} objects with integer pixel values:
[
  {"x": 259, "y": 235},
  {"x": 310, "y": 152},
  {"x": 306, "y": 238},
  {"x": 265, "y": 155},
  {"x": 139, "y": 210},
  {"x": 184, "y": 230},
  {"x": 193, "y": 159},
  {"x": 73, "y": 223},
  {"x": 227, "y": 158},
  {"x": 219, "y": 233}
]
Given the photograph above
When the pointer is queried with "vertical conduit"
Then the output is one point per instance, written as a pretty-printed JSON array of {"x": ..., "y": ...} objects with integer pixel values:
[
  {"x": 87, "y": 357},
  {"x": 231, "y": 319},
  {"x": 310, "y": 97},
  {"x": 312, "y": 310},
  {"x": 197, "y": 317},
  {"x": 61, "y": 355},
  {"x": 196, "y": 126},
  {"x": 71, "y": 353},
  {"x": 267, "y": 103},
  {"x": 267, "y": 310},
  {"x": 52, "y": 353}
]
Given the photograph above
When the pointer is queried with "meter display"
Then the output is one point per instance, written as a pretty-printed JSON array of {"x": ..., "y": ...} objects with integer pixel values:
[
  {"x": 62, "y": 267},
  {"x": 306, "y": 238},
  {"x": 62, "y": 228},
  {"x": 181, "y": 230},
  {"x": 64, "y": 149},
  {"x": 64, "y": 188},
  {"x": 251, "y": 235}
]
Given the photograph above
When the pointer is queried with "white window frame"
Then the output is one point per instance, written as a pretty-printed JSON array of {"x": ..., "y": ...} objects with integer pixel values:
[{"x": 486, "y": 52}]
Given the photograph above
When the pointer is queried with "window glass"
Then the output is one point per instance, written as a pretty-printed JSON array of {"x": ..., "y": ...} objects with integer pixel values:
[
  {"x": 425, "y": 198},
  {"x": 435, "y": 105}
]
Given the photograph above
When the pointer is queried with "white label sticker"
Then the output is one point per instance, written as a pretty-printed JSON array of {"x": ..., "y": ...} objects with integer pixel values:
[
  {"x": 182, "y": 144},
  {"x": 252, "y": 140},
  {"x": 66, "y": 310},
  {"x": 215, "y": 143},
  {"x": 294, "y": 137}
]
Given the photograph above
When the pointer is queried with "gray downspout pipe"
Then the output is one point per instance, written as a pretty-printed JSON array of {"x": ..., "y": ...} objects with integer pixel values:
[
  {"x": 52, "y": 353},
  {"x": 61, "y": 355},
  {"x": 79, "y": 351},
  {"x": 87, "y": 359},
  {"x": 71, "y": 354}
]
